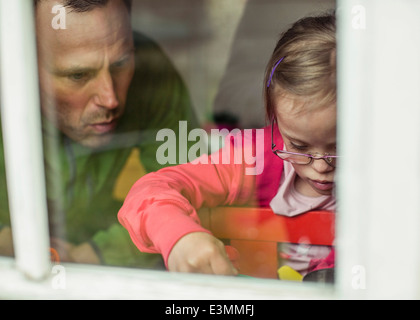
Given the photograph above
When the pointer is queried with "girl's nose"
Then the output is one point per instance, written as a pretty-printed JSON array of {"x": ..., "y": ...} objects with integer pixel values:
[{"x": 321, "y": 165}]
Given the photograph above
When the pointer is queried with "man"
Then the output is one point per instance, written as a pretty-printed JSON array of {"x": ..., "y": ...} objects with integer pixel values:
[{"x": 105, "y": 92}]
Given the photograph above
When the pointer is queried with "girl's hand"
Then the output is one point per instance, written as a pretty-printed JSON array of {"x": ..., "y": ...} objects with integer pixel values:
[{"x": 200, "y": 252}]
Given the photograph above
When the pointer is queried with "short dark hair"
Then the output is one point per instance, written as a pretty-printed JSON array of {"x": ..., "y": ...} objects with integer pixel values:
[{"x": 87, "y": 5}]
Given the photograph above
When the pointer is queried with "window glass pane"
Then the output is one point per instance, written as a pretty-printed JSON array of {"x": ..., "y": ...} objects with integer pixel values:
[
  {"x": 223, "y": 60},
  {"x": 120, "y": 101},
  {"x": 6, "y": 241}
]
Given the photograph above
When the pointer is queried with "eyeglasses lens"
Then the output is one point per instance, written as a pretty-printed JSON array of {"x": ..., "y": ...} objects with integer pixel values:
[
  {"x": 294, "y": 158},
  {"x": 301, "y": 159}
]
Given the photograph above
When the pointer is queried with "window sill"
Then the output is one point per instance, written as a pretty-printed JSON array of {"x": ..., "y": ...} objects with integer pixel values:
[{"x": 98, "y": 282}]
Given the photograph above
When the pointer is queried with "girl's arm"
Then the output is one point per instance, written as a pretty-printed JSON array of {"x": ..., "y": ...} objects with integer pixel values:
[{"x": 161, "y": 210}]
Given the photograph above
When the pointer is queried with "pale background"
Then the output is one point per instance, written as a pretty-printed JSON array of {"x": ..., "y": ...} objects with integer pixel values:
[{"x": 221, "y": 47}]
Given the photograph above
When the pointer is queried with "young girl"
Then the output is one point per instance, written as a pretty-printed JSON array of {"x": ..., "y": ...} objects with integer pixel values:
[{"x": 299, "y": 157}]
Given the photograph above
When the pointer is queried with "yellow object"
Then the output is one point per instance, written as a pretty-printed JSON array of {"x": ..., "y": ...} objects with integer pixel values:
[
  {"x": 132, "y": 171},
  {"x": 287, "y": 273}
]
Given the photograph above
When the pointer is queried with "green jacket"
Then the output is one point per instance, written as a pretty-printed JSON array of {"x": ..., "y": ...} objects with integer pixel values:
[{"x": 81, "y": 181}]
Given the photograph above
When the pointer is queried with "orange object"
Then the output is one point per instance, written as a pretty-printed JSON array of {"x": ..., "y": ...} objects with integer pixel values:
[
  {"x": 55, "y": 257},
  {"x": 255, "y": 233}
]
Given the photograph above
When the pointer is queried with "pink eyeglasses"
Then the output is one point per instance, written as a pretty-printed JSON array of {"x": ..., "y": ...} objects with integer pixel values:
[{"x": 300, "y": 158}]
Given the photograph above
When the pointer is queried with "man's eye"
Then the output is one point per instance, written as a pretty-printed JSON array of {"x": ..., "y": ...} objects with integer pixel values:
[
  {"x": 119, "y": 64},
  {"x": 78, "y": 76},
  {"x": 116, "y": 66}
]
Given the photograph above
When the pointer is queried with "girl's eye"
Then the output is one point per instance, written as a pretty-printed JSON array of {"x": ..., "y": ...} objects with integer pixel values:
[{"x": 298, "y": 147}]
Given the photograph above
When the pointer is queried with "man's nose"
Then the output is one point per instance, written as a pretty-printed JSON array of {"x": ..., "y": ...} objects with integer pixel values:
[{"x": 106, "y": 96}]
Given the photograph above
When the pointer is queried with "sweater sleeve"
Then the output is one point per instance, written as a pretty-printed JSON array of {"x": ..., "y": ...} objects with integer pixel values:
[{"x": 162, "y": 206}]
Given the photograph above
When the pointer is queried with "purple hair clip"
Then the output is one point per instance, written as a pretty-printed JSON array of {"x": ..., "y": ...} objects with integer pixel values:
[{"x": 272, "y": 72}]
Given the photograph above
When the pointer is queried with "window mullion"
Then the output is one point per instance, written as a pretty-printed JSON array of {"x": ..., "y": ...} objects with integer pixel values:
[{"x": 22, "y": 135}]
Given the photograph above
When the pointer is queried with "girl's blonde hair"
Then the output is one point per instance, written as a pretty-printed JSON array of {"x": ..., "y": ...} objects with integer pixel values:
[{"x": 308, "y": 63}]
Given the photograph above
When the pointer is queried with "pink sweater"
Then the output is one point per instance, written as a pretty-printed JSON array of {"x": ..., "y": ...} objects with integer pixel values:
[{"x": 162, "y": 207}]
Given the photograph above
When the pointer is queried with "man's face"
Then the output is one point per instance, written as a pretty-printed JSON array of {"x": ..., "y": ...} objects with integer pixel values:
[{"x": 85, "y": 70}]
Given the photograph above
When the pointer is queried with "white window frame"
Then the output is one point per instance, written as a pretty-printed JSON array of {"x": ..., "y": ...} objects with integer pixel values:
[{"x": 376, "y": 225}]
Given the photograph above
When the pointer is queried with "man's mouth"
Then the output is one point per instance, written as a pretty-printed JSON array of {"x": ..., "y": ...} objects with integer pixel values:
[{"x": 105, "y": 127}]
